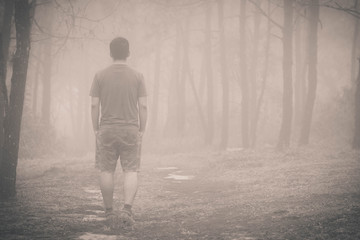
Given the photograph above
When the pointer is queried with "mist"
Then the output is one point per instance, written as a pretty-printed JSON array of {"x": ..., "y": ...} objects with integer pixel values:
[
  {"x": 80, "y": 32},
  {"x": 242, "y": 95}
]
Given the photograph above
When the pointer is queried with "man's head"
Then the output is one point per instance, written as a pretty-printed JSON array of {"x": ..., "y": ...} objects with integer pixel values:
[{"x": 119, "y": 48}]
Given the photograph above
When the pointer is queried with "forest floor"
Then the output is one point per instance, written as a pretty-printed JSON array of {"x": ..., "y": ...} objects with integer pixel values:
[{"x": 309, "y": 193}]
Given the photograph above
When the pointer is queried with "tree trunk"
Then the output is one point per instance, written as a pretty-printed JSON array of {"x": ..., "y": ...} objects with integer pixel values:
[
  {"x": 264, "y": 78},
  {"x": 181, "y": 89},
  {"x": 72, "y": 103},
  {"x": 312, "y": 75},
  {"x": 356, "y": 141},
  {"x": 253, "y": 74},
  {"x": 299, "y": 87},
  {"x": 170, "y": 125},
  {"x": 355, "y": 46},
  {"x": 243, "y": 78},
  {"x": 209, "y": 77},
  {"x": 80, "y": 112},
  {"x": 3, "y": 96},
  {"x": 18, "y": 82},
  {"x": 86, "y": 110},
  {"x": 202, "y": 85},
  {"x": 225, "y": 81},
  {"x": 36, "y": 87},
  {"x": 196, "y": 97},
  {"x": 4, "y": 51},
  {"x": 155, "y": 102},
  {"x": 86, "y": 126},
  {"x": 47, "y": 66},
  {"x": 287, "y": 107},
  {"x": 6, "y": 27}
]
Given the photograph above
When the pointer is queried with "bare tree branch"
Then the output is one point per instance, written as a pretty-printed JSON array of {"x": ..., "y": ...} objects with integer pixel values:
[
  {"x": 353, "y": 11},
  {"x": 102, "y": 18},
  {"x": 266, "y": 15},
  {"x": 180, "y": 4}
]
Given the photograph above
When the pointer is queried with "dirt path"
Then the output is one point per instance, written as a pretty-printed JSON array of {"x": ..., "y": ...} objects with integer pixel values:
[{"x": 303, "y": 194}]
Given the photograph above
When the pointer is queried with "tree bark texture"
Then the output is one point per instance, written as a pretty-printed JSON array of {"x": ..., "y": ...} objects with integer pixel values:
[
  {"x": 3, "y": 97},
  {"x": 18, "y": 82},
  {"x": 225, "y": 81},
  {"x": 287, "y": 103},
  {"x": 4, "y": 51},
  {"x": 243, "y": 78},
  {"x": 312, "y": 74}
]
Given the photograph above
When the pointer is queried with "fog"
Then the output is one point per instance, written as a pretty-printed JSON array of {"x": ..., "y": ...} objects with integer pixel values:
[
  {"x": 71, "y": 40},
  {"x": 251, "y": 129}
]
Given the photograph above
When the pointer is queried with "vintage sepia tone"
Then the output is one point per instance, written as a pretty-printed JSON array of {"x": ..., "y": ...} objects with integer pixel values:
[{"x": 233, "y": 119}]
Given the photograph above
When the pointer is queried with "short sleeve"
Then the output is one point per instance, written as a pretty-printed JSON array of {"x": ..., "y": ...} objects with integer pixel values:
[
  {"x": 95, "y": 87},
  {"x": 142, "y": 88}
]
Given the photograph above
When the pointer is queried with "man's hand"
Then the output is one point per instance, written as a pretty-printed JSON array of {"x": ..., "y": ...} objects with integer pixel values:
[
  {"x": 142, "y": 102},
  {"x": 95, "y": 113}
]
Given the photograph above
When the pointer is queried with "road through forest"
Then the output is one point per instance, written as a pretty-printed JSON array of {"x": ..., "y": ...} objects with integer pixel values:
[{"x": 309, "y": 193}]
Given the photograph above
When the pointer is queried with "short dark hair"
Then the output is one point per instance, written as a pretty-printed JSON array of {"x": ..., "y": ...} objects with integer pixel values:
[{"x": 119, "y": 48}]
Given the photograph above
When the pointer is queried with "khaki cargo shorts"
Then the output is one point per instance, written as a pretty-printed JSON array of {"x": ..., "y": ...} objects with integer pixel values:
[{"x": 113, "y": 142}]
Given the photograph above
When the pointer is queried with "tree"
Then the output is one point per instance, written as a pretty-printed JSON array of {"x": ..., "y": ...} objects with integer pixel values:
[
  {"x": 171, "y": 121},
  {"x": 287, "y": 101},
  {"x": 13, "y": 117},
  {"x": 243, "y": 78},
  {"x": 312, "y": 72},
  {"x": 181, "y": 87},
  {"x": 225, "y": 81},
  {"x": 355, "y": 44},
  {"x": 7, "y": 15},
  {"x": 356, "y": 140},
  {"x": 264, "y": 78},
  {"x": 253, "y": 76},
  {"x": 300, "y": 69},
  {"x": 35, "y": 86},
  {"x": 155, "y": 97},
  {"x": 47, "y": 67},
  {"x": 209, "y": 76}
]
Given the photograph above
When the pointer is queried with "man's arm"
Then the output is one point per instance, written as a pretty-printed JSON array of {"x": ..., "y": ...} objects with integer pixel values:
[
  {"x": 142, "y": 113},
  {"x": 95, "y": 113}
]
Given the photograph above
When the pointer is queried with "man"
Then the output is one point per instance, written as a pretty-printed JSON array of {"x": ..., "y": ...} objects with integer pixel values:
[{"x": 119, "y": 91}]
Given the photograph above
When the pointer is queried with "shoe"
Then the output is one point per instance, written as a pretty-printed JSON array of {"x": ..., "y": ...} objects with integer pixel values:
[
  {"x": 112, "y": 220},
  {"x": 126, "y": 218}
]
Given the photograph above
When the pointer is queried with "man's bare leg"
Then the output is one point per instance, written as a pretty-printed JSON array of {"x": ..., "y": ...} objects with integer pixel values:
[
  {"x": 107, "y": 189},
  {"x": 130, "y": 187}
]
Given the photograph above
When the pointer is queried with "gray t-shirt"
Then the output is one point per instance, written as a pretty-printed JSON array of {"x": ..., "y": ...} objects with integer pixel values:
[{"x": 119, "y": 88}]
